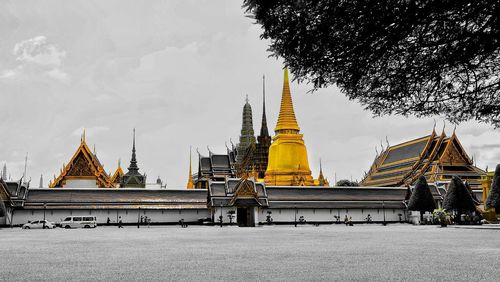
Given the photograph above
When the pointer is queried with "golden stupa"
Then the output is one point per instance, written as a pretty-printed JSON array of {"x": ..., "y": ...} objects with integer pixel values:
[{"x": 288, "y": 164}]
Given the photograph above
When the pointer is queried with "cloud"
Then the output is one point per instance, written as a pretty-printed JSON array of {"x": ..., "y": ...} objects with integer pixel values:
[
  {"x": 37, "y": 56},
  {"x": 38, "y": 50},
  {"x": 58, "y": 74},
  {"x": 8, "y": 73},
  {"x": 485, "y": 146}
]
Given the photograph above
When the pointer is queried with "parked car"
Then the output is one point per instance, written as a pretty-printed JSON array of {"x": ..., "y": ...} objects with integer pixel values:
[
  {"x": 79, "y": 222},
  {"x": 39, "y": 224}
]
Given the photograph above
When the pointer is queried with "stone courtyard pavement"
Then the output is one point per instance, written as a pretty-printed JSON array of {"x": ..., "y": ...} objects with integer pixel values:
[{"x": 203, "y": 253}]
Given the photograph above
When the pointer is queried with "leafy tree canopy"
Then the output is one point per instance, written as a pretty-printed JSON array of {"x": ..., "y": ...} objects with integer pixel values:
[
  {"x": 493, "y": 200},
  {"x": 345, "y": 182},
  {"x": 393, "y": 56},
  {"x": 421, "y": 199}
]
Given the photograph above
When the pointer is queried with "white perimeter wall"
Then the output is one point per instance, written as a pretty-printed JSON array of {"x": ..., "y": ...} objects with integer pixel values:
[
  {"x": 173, "y": 216},
  {"x": 127, "y": 216},
  {"x": 316, "y": 215},
  {"x": 327, "y": 215}
]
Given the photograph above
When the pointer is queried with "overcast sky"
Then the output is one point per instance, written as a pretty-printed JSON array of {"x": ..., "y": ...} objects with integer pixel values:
[{"x": 177, "y": 71}]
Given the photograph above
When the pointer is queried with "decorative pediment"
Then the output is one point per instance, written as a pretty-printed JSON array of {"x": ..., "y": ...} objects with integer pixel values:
[
  {"x": 454, "y": 153},
  {"x": 83, "y": 165},
  {"x": 245, "y": 190},
  {"x": 80, "y": 167}
]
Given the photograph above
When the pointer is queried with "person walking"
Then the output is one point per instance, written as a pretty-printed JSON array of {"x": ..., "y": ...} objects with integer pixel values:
[{"x": 120, "y": 223}]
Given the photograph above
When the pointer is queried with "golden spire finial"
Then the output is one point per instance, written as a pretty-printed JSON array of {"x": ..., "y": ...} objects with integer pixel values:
[
  {"x": 119, "y": 163},
  {"x": 286, "y": 119},
  {"x": 83, "y": 136},
  {"x": 190, "y": 184}
]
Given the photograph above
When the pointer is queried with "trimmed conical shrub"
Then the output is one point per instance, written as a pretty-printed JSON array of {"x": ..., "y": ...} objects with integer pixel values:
[
  {"x": 458, "y": 198},
  {"x": 2, "y": 209},
  {"x": 493, "y": 200},
  {"x": 471, "y": 192},
  {"x": 421, "y": 199}
]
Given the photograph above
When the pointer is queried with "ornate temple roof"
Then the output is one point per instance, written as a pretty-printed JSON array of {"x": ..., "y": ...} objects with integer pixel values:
[
  {"x": 83, "y": 165},
  {"x": 215, "y": 166},
  {"x": 437, "y": 157},
  {"x": 286, "y": 118},
  {"x": 234, "y": 192},
  {"x": 117, "y": 176}
]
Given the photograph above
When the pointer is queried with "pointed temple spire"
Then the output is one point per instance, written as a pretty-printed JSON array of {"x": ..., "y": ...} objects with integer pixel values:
[
  {"x": 321, "y": 178},
  {"x": 263, "y": 140},
  {"x": 41, "y": 181},
  {"x": 190, "y": 184},
  {"x": 263, "y": 128},
  {"x": 133, "y": 161},
  {"x": 247, "y": 137},
  {"x": 286, "y": 119},
  {"x": 133, "y": 178},
  {"x": 287, "y": 160}
]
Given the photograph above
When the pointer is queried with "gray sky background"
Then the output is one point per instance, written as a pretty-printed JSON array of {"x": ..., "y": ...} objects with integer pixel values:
[{"x": 178, "y": 71}]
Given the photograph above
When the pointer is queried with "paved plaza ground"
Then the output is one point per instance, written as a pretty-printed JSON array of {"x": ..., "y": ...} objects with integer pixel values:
[{"x": 306, "y": 253}]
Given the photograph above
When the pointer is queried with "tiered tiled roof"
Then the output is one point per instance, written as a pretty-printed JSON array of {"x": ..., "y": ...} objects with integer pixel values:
[{"x": 437, "y": 157}]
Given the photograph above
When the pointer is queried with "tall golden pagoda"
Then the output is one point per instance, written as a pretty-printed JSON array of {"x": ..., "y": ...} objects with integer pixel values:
[
  {"x": 190, "y": 184},
  {"x": 288, "y": 164}
]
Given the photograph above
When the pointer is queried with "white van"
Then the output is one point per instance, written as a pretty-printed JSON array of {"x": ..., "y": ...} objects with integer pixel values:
[{"x": 79, "y": 222}]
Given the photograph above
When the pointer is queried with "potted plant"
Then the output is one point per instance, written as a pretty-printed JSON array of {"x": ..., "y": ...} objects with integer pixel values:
[{"x": 441, "y": 215}]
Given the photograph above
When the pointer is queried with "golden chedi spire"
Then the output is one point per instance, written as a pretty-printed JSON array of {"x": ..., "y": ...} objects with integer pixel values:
[
  {"x": 190, "y": 184},
  {"x": 287, "y": 123},
  {"x": 288, "y": 154}
]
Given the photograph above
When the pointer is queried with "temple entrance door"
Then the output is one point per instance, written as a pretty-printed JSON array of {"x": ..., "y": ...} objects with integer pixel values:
[{"x": 245, "y": 217}]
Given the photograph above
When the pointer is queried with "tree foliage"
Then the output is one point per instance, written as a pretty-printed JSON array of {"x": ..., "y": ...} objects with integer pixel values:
[
  {"x": 394, "y": 56},
  {"x": 421, "y": 199},
  {"x": 348, "y": 183},
  {"x": 458, "y": 197},
  {"x": 493, "y": 200}
]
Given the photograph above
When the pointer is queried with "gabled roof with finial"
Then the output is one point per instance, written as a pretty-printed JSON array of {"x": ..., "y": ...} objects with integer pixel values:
[
  {"x": 286, "y": 119},
  {"x": 83, "y": 165},
  {"x": 117, "y": 176},
  {"x": 435, "y": 156},
  {"x": 322, "y": 181}
]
